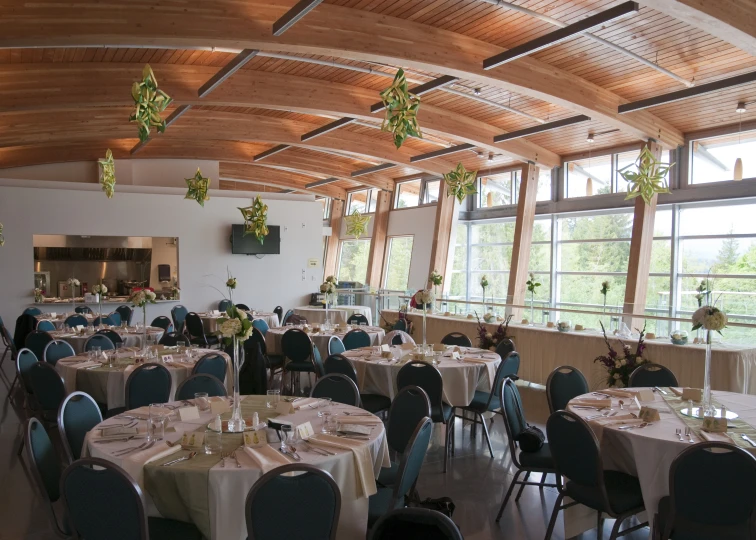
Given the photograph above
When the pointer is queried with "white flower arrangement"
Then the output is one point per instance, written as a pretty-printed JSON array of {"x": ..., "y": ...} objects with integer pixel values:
[
  {"x": 329, "y": 287},
  {"x": 100, "y": 289},
  {"x": 142, "y": 298},
  {"x": 710, "y": 318},
  {"x": 73, "y": 282},
  {"x": 235, "y": 325},
  {"x": 38, "y": 295}
]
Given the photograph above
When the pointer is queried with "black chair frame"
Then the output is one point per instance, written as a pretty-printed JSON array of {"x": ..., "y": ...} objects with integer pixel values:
[
  {"x": 550, "y": 379},
  {"x": 62, "y": 423},
  {"x": 339, "y": 377}
]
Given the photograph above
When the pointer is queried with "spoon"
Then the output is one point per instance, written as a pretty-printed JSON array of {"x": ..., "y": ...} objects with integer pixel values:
[{"x": 185, "y": 458}]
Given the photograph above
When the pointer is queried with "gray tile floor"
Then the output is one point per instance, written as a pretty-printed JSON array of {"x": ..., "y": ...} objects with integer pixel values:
[{"x": 475, "y": 481}]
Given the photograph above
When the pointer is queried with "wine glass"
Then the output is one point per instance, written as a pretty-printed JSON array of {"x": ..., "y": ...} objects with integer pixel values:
[{"x": 285, "y": 435}]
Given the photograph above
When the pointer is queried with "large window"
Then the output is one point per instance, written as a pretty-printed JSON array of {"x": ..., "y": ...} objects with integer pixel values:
[
  {"x": 416, "y": 192},
  {"x": 458, "y": 287},
  {"x": 398, "y": 258},
  {"x": 503, "y": 189},
  {"x": 713, "y": 160},
  {"x": 353, "y": 259},
  {"x": 326, "y": 202},
  {"x": 364, "y": 201},
  {"x": 598, "y": 175}
]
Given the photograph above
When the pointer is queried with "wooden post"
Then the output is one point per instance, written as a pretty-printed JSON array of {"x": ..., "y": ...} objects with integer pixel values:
[
  {"x": 378, "y": 240},
  {"x": 640, "y": 254},
  {"x": 523, "y": 236},
  {"x": 332, "y": 250},
  {"x": 442, "y": 231}
]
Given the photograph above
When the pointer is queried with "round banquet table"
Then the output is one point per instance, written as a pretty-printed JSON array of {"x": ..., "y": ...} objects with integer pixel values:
[
  {"x": 131, "y": 337},
  {"x": 648, "y": 452},
  {"x": 475, "y": 370},
  {"x": 211, "y": 494},
  {"x": 337, "y": 314},
  {"x": 107, "y": 385},
  {"x": 319, "y": 339},
  {"x": 210, "y": 320},
  {"x": 60, "y": 318}
]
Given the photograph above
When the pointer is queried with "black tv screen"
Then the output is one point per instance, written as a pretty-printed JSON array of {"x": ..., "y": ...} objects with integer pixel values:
[{"x": 250, "y": 245}]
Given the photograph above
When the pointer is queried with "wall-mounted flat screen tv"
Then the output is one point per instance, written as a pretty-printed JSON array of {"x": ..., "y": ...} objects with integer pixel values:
[{"x": 250, "y": 245}]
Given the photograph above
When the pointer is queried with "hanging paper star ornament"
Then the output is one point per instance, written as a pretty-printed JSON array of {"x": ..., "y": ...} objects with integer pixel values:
[
  {"x": 2, "y": 238},
  {"x": 256, "y": 219},
  {"x": 461, "y": 182},
  {"x": 356, "y": 224},
  {"x": 401, "y": 110},
  {"x": 107, "y": 176},
  {"x": 649, "y": 179},
  {"x": 149, "y": 102},
  {"x": 198, "y": 186}
]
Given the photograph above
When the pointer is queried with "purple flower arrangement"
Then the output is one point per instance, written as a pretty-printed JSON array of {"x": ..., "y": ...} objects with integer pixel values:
[
  {"x": 619, "y": 367},
  {"x": 490, "y": 340}
]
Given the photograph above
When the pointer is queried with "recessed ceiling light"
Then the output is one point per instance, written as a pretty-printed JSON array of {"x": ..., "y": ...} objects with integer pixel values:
[
  {"x": 741, "y": 108},
  {"x": 590, "y": 138},
  {"x": 476, "y": 91}
]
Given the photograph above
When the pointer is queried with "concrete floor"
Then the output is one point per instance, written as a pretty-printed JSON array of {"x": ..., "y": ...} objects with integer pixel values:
[{"x": 475, "y": 482}]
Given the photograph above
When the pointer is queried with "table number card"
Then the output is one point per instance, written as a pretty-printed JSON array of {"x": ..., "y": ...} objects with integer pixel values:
[
  {"x": 692, "y": 394},
  {"x": 167, "y": 358},
  {"x": 255, "y": 438},
  {"x": 715, "y": 425},
  {"x": 188, "y": 413},
  {"x": 645, "y": 395},
  {"x": 649, "y": 414},
  {"x": 218, "y": 405},
  {"x": 385, "y": 348},
  {"x": 455, "y": 355},
  {"x": 439, "y": 347},
  {"x": 305, "y": 430},
  {"x": 285, "y": 407},
  {"x": 193, "y": 439}
]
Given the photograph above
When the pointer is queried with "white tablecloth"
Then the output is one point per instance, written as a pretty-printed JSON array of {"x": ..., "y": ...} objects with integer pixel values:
[
  {"x": 337, "y": 314},
  {"x": 130, "y": 337},
  {"x": 377, "y": 375},
  {"x": 210, "y": 320},
  {"x": 320, "y": 340}
]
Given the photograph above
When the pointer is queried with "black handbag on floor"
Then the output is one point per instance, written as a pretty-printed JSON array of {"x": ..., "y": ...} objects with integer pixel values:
[
  {"x": 531, "y": 438},
  {"x": 443, "y": 504}
]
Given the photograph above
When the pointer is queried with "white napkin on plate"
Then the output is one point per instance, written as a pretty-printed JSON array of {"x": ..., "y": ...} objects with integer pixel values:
[
  {"x": 266, "y": 457},
  {"x": 363, "y": 461},
  {"x": 586, "y": 402},
  {"x": 618, "y": 393},
  {"x": 86, "y": 364},
  {"x": 134, "y": 463},
  {"x": 306, "y": 402},
  {"x": 345, "y": 419}
]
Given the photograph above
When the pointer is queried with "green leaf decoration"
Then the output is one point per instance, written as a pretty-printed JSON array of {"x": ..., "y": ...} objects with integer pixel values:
[
  {"x": 356, "y": 224},
  {"x": 461, "y": 182},
  {"x": 198, "y": 186},
  {"x": 149, "y": 102},
  {"x": 256, "y": 219},
  {"x": 2, "y": 238},
  {"x": 649, "y": 179},
  {"x": 107, "y": 179},
  {"x": 401, "y": 110}
]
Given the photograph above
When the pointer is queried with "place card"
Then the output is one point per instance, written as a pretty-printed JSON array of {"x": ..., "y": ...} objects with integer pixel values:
[
  {"x": 386, "y": 354},
  {"x": 439, "y": 347},
  {"x": 53, "y": 314},
  {"x": 385, "y": 348},
  {"x": 167, "y": 358},
  {"x": 305, "y": 430},
  {"x": 649, "y": 414},
  {"x": 645, "y": 394},
  {"x": 692, "y": 394},
  {"x": 714, "y": 424},
  {"x": 285, "y": 407},
  {"x": 218, "y": 405},
  {"x": 256, "y": 438},
  {"x": 455, "y": 355},
  {"x": 193, "y": 439},
  {"x": 188, "y": 413},
  {"x": 79, "y": 328}
]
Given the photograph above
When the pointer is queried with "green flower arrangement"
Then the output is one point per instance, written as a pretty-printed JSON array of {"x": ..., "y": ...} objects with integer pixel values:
[
  {"x": 649, "y": 179},
  {"x": 256, "y": 219},
  {"x": 197, "y": 188},
  {"x": 236, "y": 324},
  {"x": 460, "y": 182},
  {"x": 401, "y": 110},
  {"x": 149, "y": 102},
  {"x": 356, "y": 223},
  {"x": 107, "y": 179}
]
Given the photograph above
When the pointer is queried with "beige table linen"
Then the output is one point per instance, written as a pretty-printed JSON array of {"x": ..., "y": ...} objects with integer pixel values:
[
  {"x": 320, "y": 339},
  {"x": 210, "y": 320},
  {"x": 131, "y": 337},
  {"x": 337, "y": 314}
]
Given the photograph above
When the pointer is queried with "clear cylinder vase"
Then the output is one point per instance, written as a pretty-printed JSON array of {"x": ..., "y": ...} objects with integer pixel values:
[
  {"x": 532, "y": 309},
  {"x": 424, "y": 328},
  {"x": 144, "y": 328},
  {"x": 707, "y": 404},
  {"x": 236, "y": 423},
  {"x": 73, "y": 298},
  {"x": 327, "y": 319}
]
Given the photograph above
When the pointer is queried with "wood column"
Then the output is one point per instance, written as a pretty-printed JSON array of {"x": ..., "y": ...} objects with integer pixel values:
[
  {"x": 378, "y": 240},
  {"x": 332, "y": 250},
  {"x": 523, "y": 236},
  {"x": 442, "y": 231},
  {"x": 640, "y": 254}
]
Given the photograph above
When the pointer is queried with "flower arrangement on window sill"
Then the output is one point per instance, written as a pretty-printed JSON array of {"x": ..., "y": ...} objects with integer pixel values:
[
  {"x": 490, "y": 340},
  {"x": 619, "y": 367}
]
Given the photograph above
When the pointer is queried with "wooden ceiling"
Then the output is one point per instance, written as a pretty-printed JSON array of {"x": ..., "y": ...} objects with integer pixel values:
[{"x": 66, "y": 72}]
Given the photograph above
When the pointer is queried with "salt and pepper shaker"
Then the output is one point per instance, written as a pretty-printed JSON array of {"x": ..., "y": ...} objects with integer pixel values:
[{"x": 217, "y": 424}]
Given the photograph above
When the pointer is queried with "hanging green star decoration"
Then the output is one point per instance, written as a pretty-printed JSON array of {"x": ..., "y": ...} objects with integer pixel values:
[
  {"x": 401, "y": 110},
  {"x": 2, "y": 238},
  {"x": 149, "y": 102},
  {"x": 198, "y": 186},
  {"x": 107, "y": 178},
  {"x": 356, "y": 224},
  {"x": 650, "y": 178},
  {"x": 461, "y": 182},
  {"x": 256, "y": 219}
]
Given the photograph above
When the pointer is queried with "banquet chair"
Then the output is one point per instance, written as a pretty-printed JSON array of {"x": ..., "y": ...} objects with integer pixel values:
[
  {"x": 25, "y": 359},
  {"x": 273, "y": 362},
  {"x": 357, "y": 318},
  {"x": 356, "y": 339},
  {"x": 278, "y": 310},
  {"x": 400, "y": 324},
  {"x": 83, "y": 309},
  {"x": 648, "y": 375},
  {"x": 428, "y": 377},
  {"x": 196, "y": 332},
  {"x": 48, "y": 390},
  {"x": 7, "y": 340},
  {"x": 45, "y": 470},
  {"x": 575, "y": 450},
  {"x": 261, "y": 325},
  {"x": 483, "y": 402},
  {"x": 32, "y": 311},
  {"x": 78, "y": 415},
  {"x": 178, "y": 314},
  {"x": 296, "y": 320},
  {"x": 391, "y": 498},
  {"x": 374, "y": 403},
  {"x": 200, "y": 382},
  {"x": 456, "y": 338},
  {"x": 505, "y": 347},
  {"x": 409, "y": 407},
  {"x": 107, "y": 319},
  {"x": 338, "y": 387},
  {"x": 298, "y": 349},
  {"x": 213, "y": 364},
  {"x": 712, "y": 494},
  {"x": 112, "y": 335},
  {"x": 45, "y": 326},
  {"x": 253, "y": 377},
  {"x": 224, "y": 304},
  {"x": 25, "y": 325},
  {"x": 397, "y": 337},
  {"x": 126, "y": 313},
  {"x": 171, "y": 339},
  {"x": 99, "y": 340},
  {"x": 335, "y": 345},
  {"x": 563, "y": 384},
  {"x": 162, "y": 322},
  {"x": 73, "y": 321},
  {"x": 115, "y": 317},
  {"x": 37, "y": 341},
  {"x": 525, "y": 462},
  {"x": 285, "y": 318},
  {"x": 313, "y": 496},
  {"x": 244, "y": 307},
  {"x": 413, "y": 524},
  {"x": 149, "y": 383},
  {"x": 56, "y": 350},
  {"x": 103, "y": 501}
]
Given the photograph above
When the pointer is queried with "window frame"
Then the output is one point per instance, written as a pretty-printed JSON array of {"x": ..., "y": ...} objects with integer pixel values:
[
  {"x": 387, "y": 259},
  {"x": 369, "y": 199},
  {"x": 424, "y": 181},
  {"x": 341, "y": 254}
]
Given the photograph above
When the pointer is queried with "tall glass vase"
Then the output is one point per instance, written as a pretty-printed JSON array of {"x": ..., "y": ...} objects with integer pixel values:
[
  {"x": 424, "y": 328},
  {"x": 532, "y": 304},
  {"x": 236, "y": 423},
  {"x": 707, "y": 404},
  {"x": 327, "y": 319},
  {"x": 73, "y": 298},
  {"x": 144, "y": 327},
  {"x": 99, "y": 302}
]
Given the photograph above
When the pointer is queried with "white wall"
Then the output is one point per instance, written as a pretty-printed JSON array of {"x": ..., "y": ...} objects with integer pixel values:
[{"x": 204, "y": 247}]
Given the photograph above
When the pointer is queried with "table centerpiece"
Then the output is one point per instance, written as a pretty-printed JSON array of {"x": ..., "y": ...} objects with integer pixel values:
[
  {"x": 619, "y": 367},
  {"x": 711, "y": 319}
]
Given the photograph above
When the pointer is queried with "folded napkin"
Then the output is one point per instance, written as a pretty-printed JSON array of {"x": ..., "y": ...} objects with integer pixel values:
[
  {"x": 588, "y": 402},
  {"x": 158, "y": 451},
  {"x": 363, "y": 461},
  {"x": 306, "y": 402},
  {"x": 474, "y": 360},
  {"x": 622, "y": 422},
  {"x": 618, "y": 393},
  {"x": 85, "y": 364},
  {"x": 344, "y": 419},
  {"x": 266, "y": 457},
  {"x": 715, "y": 437},
  {"x": 617, "y": 418},
  {"x": 676, "y": 391}
]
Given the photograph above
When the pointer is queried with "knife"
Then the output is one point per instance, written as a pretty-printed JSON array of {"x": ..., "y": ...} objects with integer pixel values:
[
  {"x": 747, "y": 438},
  {"x": 660, "y": 390}
]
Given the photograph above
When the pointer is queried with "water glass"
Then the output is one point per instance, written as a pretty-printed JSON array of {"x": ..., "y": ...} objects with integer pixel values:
[
  {"x": 156, "y": 422},
  {"x": 286, "y": 433},
  {"x": 95, "y": 353},
  {"x": 326, "y": 427},
  {"x": 194, "y": 352},
  {"x": 272, "y": 397},
  {"x": 213, "y": 441},
  {"x": 200, "y": 399}
]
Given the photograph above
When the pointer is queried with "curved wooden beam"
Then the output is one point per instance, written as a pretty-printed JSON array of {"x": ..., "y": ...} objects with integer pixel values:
[{"x": 328, "y": 30}]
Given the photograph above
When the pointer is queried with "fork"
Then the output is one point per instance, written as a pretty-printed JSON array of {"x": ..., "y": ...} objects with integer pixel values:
[
  {"x": 236, "y": 459},
  {"x": 224, "y": 455},
  {"x": 688, "y": 435},
  {"x": 127, "y": 451}
]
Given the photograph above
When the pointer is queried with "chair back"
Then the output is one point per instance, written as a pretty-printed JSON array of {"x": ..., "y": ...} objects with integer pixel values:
[
  {"x": 78, "y": 415},
  {"x": 314, "y": 494},
  {"x": 32, "y": 311},
  {"x": 107, "y": 319},
  {"x": 255, "y": 339},
  {"x": 47, "y": 386},
  {"x": 126, "y": 313},
  {"x": 456, "y": 338},
  {"x": 413, "y": 523},
  {"x": 57, "y": 349},
  {"x": 411, "y": 462},
  {"x": 194, "y": 325},
  {"x": 243, "y": 307},
  {"x": 337, "y": 363},
  {"x": 178, "y": 314},
  {"x": 112, "y": 335},
  {"x": 45, "y": 326},
  {"x": 505, "y": 347},
  {"x": 296, "y": 345},
  {"x": 335, "y": 345},
  {"x": 115, "y": 317},
  {"x": 563, "y": 384},
  {"x": 45, "y": 470},
  {"x": 37, "y": 341},
  {"x": 25, "y": 359},
  {"x": 652, "y": 375},
  {"x": 397, "y": 337},
  {"x": 261, "y": 325},
  {"x": 200, "y": 382},
  {"x": 162, "y": 322},
  {"x": 356, "y": 339},
  {"x": 278, "y": 310},
  {"x": 99, "y": 340},
  {"x": 357, "y": 318},
  {"x": 296, "y": 319},
  {"x": 317, "y": 361},
  {"x": 575, "y": 450},
  {"x": 92, "y": 489},
  {"x": 338, "y": 387},
  {"x": 253, "y": 377},
  {"x": 409, "y": 407},
  {"x": 149, "y": 383},
  {"x": 76, "y": 320},
  {"x": 213, "y": 364},
  {"x": 83, "y": 309},
  {"x": 285, "y": 318},
  {"x": 400, "y": 324},
  {"x": 8, "y": 340},
  {"x": 426, "y": 376},
  {"x": 171, "y": 339},
  {"x": 25, "y": 325},
  {"x": 507, "y": 369},
  {"x": 514, "y": 416},
  {"x": 224, "y": 304}
]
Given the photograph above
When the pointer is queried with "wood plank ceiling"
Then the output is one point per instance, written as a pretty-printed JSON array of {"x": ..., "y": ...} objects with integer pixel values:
[{"x": 64, "y": 85}]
